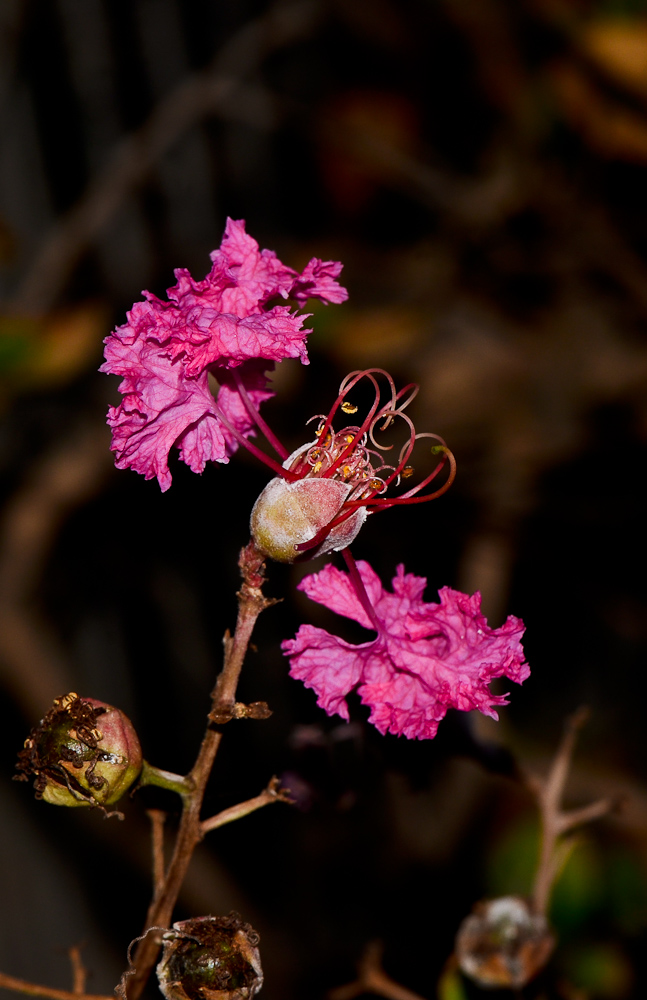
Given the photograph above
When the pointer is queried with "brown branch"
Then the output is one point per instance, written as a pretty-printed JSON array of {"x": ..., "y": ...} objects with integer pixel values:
[
  {"x": 200, "y": 95},
  {"x": 79, "y": 973},
  {"x": 34, "y": 667},
  {"x": 157, "y": 818},
  {"x": 555, "y": 821},
  {"x": 36, "y": 990},
  {"x": 273, "y": 793},
  {"x": 250, "y": 604},
  {"x": 371, "y": 978}
]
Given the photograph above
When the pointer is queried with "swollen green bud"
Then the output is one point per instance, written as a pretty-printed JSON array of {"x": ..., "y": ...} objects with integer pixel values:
[
  {"x": 210, "y": 958},
  {"x": 83, "y": 752}
]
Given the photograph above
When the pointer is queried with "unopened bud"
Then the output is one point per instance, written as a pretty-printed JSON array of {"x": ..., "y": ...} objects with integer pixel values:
[
  {"x": 83, "y": 752},
  {"x": 503, "y": 943},
  {"x": 290, "y": 514},
  {"x": 210, "y": 958}
]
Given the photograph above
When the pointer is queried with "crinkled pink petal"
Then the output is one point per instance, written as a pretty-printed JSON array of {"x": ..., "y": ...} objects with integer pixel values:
[
  {"x": 230, "y": 403},
  {"x": 162, "y": 409},
  {"x": 335, "y": 591},
  {"x": 243, "y": 278},
  {"x": 318, "y": 280},
  {"x": 427, "y": 657},
  {"x": 314, "y": 653},
  {"x": 274, "y": 335},
  {"x": 167, "y": 349}
]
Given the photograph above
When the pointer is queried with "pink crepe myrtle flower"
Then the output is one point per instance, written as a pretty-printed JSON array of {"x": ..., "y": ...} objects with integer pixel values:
[
  {"x": 225, "y": 327},
  {"x": 425, "y": 658}
]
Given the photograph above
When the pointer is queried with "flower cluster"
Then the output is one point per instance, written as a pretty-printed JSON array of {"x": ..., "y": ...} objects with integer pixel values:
[
  {"x": 425, "y": 658},
  {"x": 223, "y": 328},
  {"x": 225, "y": 333}
]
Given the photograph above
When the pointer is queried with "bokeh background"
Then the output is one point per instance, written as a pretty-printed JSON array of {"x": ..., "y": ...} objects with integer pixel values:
[{"x": 480, "y": 168}]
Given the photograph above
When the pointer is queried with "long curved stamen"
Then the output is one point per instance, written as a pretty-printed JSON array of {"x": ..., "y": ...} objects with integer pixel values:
[
  {"x": 363, "y": 427},
  {"x": 409, "y": 497},
  {"x": 360, "y": 590},
  {"x": 348, "y": 383},
  {"x": 242, "y": 440},
  {"x": 270, "y": 436}
]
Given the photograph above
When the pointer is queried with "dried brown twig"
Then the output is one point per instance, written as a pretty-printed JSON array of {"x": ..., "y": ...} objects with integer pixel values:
[
  {"x": 371, "y": 978},
  {"x": 555, "y": 821}
]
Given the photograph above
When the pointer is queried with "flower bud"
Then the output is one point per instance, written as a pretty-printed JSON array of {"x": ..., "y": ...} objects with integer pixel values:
[
  {"x": 210, "y": 958},
  {"x": 289, "y": 514},
  {"x": 83, "y": 752},
  {"x": 503, "y": 943}
]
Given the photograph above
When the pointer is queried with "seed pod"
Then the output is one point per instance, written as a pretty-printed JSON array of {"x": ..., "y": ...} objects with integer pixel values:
[
  {"x": 503, "y": 943},
  {"x": 83, "y": 752},
  {"x": 210, "y": 958}
]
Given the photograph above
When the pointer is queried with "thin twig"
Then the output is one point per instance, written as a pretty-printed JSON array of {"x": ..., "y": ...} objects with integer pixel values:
[
  {"x": 157, "y": 818},
  {"x": 36, "y": 990},
  {"x": 371, "y": 978},
  {"x": 273, "y": 793},
  {"x": 79, "y": 974},
  {"x": 554, "y": 820}
]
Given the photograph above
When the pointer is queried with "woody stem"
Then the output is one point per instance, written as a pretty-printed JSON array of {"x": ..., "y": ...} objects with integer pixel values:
[{"x": 250, "y": 604}]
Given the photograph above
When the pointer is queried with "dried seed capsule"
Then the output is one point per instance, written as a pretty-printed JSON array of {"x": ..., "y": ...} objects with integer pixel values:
[
  {"x": 83, "y": 752},
  {"x": 210, "y": 958},
  {"x": 503, "y": 943}
]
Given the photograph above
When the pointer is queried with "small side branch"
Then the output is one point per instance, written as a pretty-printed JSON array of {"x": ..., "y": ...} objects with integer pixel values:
[
  {"x": 273, "y": 793},
  {"x": 555, "y": 821},
  {"x": 79, "y": 973},
  {"x": 36, "y": 990},
  {"x": 371, "y": 978},
  {"x": 157, "y": 818}
]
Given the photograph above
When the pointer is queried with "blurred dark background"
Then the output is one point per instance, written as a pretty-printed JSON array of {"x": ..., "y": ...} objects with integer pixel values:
[{"x": 480, "y": 167}]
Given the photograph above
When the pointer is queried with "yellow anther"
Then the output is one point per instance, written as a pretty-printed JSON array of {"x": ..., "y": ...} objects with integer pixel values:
[
  {"x": 376, "y": 484},
  {"x": 348, "y": 407},
  {"x": 348, "y": 438},
  {"x": 346, "y": 471},
  {"x": 317, "y": 466},
  {"x": 407, "y": 471}
]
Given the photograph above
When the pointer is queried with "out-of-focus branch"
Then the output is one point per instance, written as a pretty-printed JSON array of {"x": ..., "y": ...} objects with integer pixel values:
[
  {"x": 371, "y": 978},
  {"x": 212, "y": 91},
  {"x": 157, "y": 818},
  {"x": 79, "y": 972},
  {"x": 555, "y": 821},
  {"x": 36, "y": 990},
  {"x": 34, "y": 668}
]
